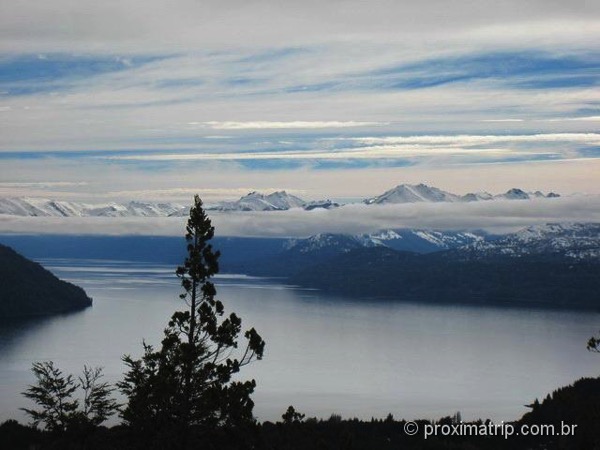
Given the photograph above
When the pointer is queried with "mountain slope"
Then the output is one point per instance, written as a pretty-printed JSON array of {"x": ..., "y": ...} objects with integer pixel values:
[
  {"x": 296, "y": 255},
  {"x": 321, "y": 204},
  {"x": 412, "y": 193},
  {"x": 571, "y": 240},
  {"x": 41, "y": 207},
  {"x": 301, "y": 253},
  {"x": 417, "y": 193},
  {"x": 555, "y": 265},
  {"x": 255, "y": 201},
  {"x": 422, "y": 241},
  {"x": 27, "y": 289},
  {"x": 440, "y": 277}
]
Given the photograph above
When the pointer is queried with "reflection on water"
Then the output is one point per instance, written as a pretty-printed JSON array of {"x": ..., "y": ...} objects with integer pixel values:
[{"x": 324, "y": 354}]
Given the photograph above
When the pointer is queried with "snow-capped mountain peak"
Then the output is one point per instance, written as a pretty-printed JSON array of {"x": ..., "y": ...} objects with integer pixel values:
[
  {"x": 44, "y": 207},
  {"x": 514, "y": 194},
  {"x": 320, "y": 204},
  {"x": 421, "y": 241},
  {"x": 574, "y": 240},
  {"x": 413, "y": 240},
  {"x": 477, "y": 196},
  {"x": 412, "y": 193},
  {"x": 325, "y": 242},
  {"x": 255, "y": 201},
  {"x": 520, "y": 194}
]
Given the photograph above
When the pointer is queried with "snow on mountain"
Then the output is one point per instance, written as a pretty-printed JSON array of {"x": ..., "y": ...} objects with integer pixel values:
[
  {"x": 325, "y": 242},
  {"x": 447, "y": 240},
  {"x": 574, "y": 240},
  {"x": 477, "y": 196},
  {"x": 255, "y": 201},
  {"x": 414, "y": 193},
  {"x": 320, "y": 204},
  {"x": 53, "y": 208},
  {"x": 383, "y": 236},
  {"x": 37, "y": 207},
  {"x": 422, "y": 241},
  {"x": 135, "y": 209},
  {"x": 514, "y": 194},
  {"x": 519, "y": 194},
  {"x": 418, "y": 241}
]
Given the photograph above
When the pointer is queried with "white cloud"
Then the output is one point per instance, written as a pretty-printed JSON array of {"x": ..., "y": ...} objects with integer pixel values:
[
  {"x": 129, "y": 182},
  {"x": 576, "y": 119},
  {"x": 474, "y": 148},
  {"x": 464, "y": 140},
  {"x": 502, "y": 120},
  {"x": 40, "y": 184},
  {"x": 207, "y": 194},
  {"x": 127, "y": 110},
  {"x": 266, "y": 125},
  {"x": 368, "y": 153},
  {"x": 159, "y": 25},
  {"x": 270, "y": 72}
]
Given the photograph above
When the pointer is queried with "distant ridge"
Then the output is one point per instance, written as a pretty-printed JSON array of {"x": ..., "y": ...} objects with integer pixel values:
[
  {"x": 576, "y": 241},
  {"x": 43, "y": 207},
  {"x": 551, "y": 265},
  {"x": 276, "y": 201},
  {"x": 253, "y": 201},
  {"x": 297, "y": 254},
  {"x": 415, "y": 193}
]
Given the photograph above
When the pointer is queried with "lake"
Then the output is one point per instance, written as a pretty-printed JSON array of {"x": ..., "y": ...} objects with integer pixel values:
[{"x": 324, "y": 354}]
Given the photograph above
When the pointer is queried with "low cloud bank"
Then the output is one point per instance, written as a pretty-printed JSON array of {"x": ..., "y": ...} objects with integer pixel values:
[{"x": 496, "y": 217}]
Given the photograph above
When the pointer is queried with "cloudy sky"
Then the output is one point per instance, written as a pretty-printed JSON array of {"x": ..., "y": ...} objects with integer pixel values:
[{"x": 158, "y": 99}]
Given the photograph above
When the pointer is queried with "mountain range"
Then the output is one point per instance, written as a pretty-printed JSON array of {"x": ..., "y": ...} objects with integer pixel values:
[
  {"x": 41, "y": 207},
  {"x": 297, "y": 254},
  {"x": 577, "y": 241},
  {"x": 547, "y": 265},
  {"x": 554, "y": 265},
  {"x": 414, "y": 240},
  {"x": 572, "y": 241},
  {"x": 414, "y": 193},
  {"x": 254, "y": 201}
]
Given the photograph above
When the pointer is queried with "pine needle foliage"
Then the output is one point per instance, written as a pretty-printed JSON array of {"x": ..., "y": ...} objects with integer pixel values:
[{"x": 189, "y": 379}]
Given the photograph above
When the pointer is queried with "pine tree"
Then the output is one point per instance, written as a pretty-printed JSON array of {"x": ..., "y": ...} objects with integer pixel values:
[
  {"x": 188, "y": 380},
  {"x": 292, "y": 416}
]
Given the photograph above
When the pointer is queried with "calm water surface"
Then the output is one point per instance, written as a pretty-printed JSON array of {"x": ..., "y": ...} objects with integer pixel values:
[{"x": 324, "y": 354}]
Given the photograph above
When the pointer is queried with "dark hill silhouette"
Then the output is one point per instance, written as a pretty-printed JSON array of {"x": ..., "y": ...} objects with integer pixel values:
[
  {"x": 449, "y": 277},
  {"x": 577, "y": 404},
  {"x": 27, "y": 289}
]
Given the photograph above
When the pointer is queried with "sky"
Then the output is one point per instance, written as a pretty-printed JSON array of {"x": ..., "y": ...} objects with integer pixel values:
[{"x": 158, "y": 100}]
